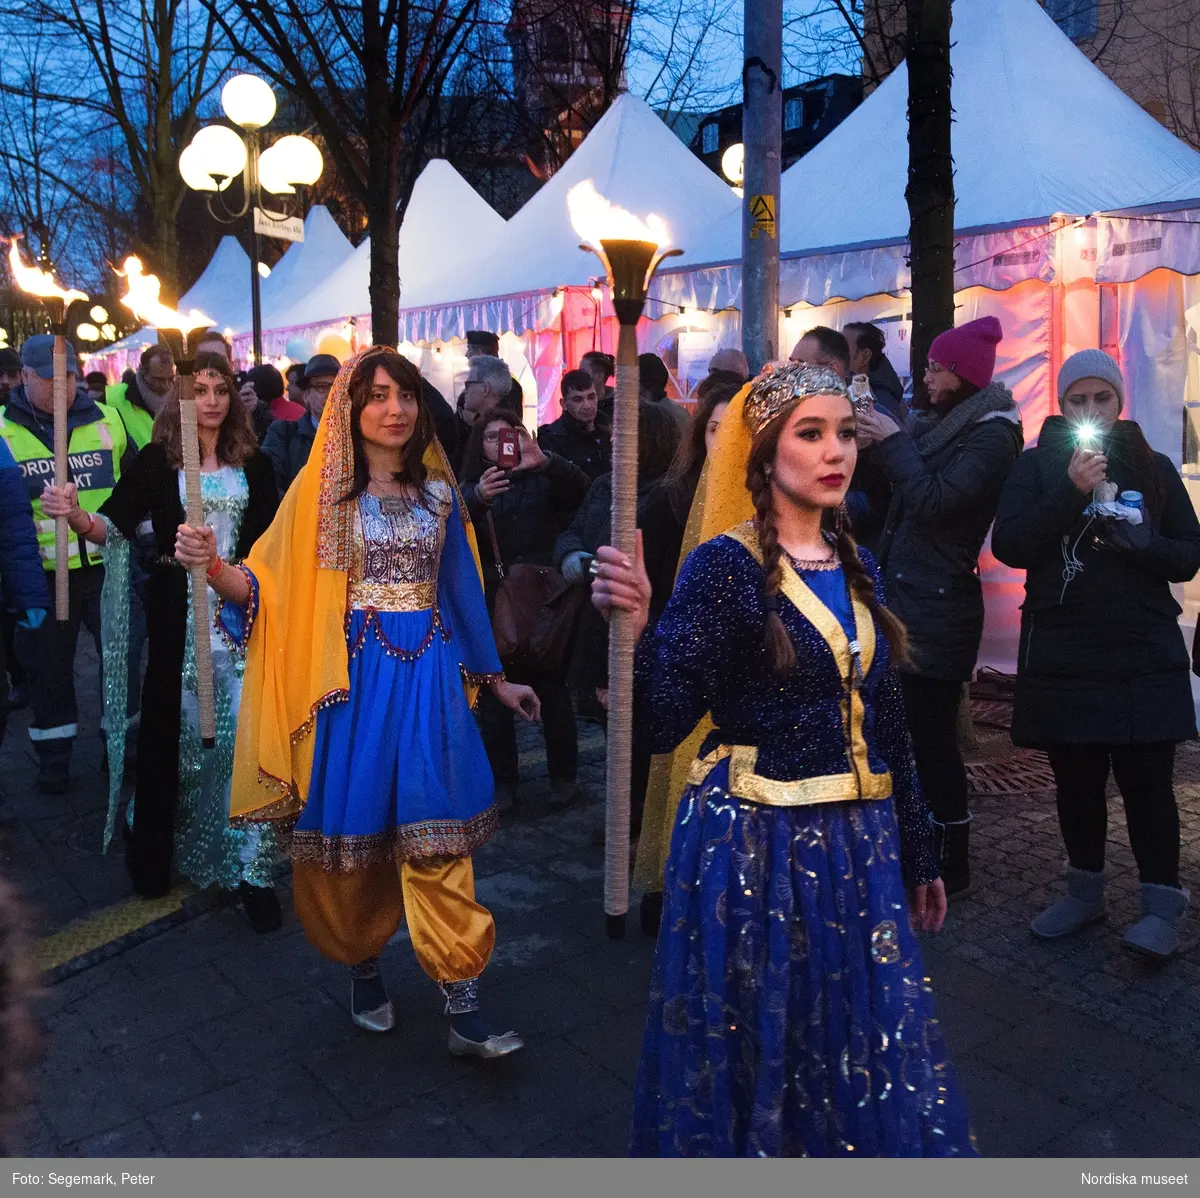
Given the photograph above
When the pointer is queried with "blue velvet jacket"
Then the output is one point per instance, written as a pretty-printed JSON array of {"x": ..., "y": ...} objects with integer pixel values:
[{"x": 806, "y": 737}]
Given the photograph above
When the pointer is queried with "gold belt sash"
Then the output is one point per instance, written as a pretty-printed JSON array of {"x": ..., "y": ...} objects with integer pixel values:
[
  {"x": 392, "y": 596},
  {"x": 746, "y": 783}
]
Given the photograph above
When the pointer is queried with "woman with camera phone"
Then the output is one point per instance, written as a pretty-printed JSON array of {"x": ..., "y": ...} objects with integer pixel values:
[
  {"x": 1103, "y": 525},
  {"x": 520, "y": 498}
]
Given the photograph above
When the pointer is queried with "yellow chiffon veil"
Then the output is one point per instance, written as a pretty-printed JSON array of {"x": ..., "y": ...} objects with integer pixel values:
[
  {"x": 721, "y": 503},
  {"x": 296, "y": 660}
]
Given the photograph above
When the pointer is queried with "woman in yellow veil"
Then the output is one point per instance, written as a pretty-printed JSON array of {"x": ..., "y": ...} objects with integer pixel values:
[
  {"x": 362, "y": 612},
  {"x": 788, "y": 1014}
]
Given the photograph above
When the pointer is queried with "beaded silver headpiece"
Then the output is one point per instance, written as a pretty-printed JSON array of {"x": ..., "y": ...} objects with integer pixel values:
[{"x": 774, "y": 392}]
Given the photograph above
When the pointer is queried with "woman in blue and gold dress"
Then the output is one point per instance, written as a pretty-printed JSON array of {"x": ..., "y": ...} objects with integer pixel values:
[
  {"x": 789, "y": 1011},
  {"x": 367, "y": 637}
]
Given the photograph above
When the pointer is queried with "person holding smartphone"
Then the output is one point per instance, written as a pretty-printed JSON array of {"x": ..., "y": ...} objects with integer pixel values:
[
  {"x": 1102, "y": 672},
  {"x": 527, "y": 497}
]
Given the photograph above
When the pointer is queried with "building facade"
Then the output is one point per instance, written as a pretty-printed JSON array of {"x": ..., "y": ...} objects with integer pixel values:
[{"x": 811, "y": 111}]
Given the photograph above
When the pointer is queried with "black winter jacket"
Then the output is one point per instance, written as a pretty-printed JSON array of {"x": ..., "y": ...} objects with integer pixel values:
[
  {"x": 945, "y": 490},
  {"x": 527, "y": 517},
  {"x": 567, "y": 437},
  {"x": 1102, "y": 659},
  {"x": 288, "y": 444}
]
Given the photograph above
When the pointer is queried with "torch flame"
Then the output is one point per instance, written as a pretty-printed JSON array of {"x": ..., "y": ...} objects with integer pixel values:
[
  {"x": 34, "y": 281},
  {"x": 141, "y": 298},
  {"x": 596, "y": 219}
]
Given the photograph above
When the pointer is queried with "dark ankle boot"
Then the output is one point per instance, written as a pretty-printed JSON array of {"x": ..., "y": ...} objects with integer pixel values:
[
  {"x": 261, "y": 906},
  {"x": 951, "y": 846},
  {"x": 650, "y": 912}
]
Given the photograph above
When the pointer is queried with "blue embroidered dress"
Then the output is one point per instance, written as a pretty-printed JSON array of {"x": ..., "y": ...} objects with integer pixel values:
[
  {"x": 399, "y": 770},
  {"x": 789, "y": 1010}
]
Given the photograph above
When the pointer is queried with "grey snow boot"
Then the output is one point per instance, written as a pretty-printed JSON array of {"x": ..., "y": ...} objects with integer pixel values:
[
  {"x": 1156, "y": 934},
  {"x": 1081, "y": 905}
]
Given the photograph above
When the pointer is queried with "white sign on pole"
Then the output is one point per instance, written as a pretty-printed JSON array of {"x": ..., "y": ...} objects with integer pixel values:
[{"x": 288, "y": 228}]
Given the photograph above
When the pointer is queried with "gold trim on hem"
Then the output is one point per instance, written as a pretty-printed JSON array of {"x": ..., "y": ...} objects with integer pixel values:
[
  {"x": 423, "y": 841},
  {"x": 745, "y": 783}
]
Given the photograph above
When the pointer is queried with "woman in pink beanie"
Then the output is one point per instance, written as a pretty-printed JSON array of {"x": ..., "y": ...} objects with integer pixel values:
[{"x": 946, "y": 471}]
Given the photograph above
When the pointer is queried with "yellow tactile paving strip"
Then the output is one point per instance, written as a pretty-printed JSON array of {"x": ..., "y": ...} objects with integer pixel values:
[{"x": 103, "y": 927}]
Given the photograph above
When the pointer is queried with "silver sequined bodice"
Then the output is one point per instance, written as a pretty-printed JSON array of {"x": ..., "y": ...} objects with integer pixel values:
[{"x": 397, "y": 548}]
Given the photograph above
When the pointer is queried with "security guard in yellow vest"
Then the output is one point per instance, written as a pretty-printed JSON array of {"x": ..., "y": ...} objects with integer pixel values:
[
  {"x": 138, "y": 403},
  {"x": 97, "y": 447}
]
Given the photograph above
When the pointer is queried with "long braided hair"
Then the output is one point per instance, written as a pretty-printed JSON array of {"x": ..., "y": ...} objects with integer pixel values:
[{"x": 781, "y": 652}]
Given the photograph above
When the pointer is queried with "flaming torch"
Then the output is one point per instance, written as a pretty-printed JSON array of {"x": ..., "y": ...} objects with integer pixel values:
[
  {"x": 181, "y": 332},
  {"x": 630, "y": 249},
  {"x": 57, "y": 302}
]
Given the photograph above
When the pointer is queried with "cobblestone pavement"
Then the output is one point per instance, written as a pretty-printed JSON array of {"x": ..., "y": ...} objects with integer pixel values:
[{"x": 208, "y": 1040}]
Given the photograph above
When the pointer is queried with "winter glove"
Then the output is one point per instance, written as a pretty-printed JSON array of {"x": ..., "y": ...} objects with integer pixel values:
[
  {"x": 575, "y": 566},
  {"x": 34, "y": 616},
  {"x": 1131, "y": 538}
]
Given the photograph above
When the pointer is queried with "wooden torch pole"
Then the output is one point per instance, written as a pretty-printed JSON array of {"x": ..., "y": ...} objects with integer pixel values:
[
  {"x": 195, "y": 517},
  {"x": 62, "y": 476},
  {"x": 620, "y": 637}
]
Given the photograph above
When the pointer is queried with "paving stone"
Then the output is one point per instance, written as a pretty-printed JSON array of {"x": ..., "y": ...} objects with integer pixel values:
[
  {"x": 277, "y": 1112},
  {"x": 1009, "y": 1117},
  {"x": 370, "y": 1074},
  {"x": 1140, "y": 1125},
  {"x": 615, "y": 1044},
  {"x": 421, "y": 1127},
  {"x": 533, "y": 1096},
  {"x": 618, "y": 971},
  {"x": 111, "y": 1089},
  {"x": 157, "y": 1007},
  {"x": 1096, "y": 1065},
  {"x": 254, "y": 1041},
  {"x": 134, "y": 1139}
]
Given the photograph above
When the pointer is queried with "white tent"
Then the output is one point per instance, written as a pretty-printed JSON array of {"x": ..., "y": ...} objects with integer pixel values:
[
  {"x": 1038, "y": 130},
  {"x": 305, "y": 267},
  {"x": 442, "y": 203},
  {"x": 636, "y": 162},
  {"x": 223, "y": 290}
]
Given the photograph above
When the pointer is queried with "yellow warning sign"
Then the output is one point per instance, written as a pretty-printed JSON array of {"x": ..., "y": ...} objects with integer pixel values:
[{"x": 762, "y": 212}]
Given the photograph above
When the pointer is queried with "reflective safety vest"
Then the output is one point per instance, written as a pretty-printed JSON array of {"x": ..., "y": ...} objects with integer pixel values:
[
  {"x": 94, "y": 455},
  {"x": 138, "y": 422}
]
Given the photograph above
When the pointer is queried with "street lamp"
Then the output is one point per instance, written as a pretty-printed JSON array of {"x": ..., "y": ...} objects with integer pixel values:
[
  {"x": 630, "y": 249},
  {"x": 217, "y": 154}
]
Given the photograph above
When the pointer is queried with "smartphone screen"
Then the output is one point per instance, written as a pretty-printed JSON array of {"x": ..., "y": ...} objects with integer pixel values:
[{"x": 509, "y": 449}]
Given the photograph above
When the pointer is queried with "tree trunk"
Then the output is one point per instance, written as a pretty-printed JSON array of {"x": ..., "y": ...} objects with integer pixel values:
[
  {"x": 383, "y": 225},
  {"x": 930, "y": 191},
  {"x": 166, "y": 245}
]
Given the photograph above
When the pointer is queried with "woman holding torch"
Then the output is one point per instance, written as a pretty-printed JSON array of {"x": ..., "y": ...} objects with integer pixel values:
[
  {"x": 789, "y": 1010},
  {"x": 181, "y": 805},
  {"x": 367, "y": 634}
]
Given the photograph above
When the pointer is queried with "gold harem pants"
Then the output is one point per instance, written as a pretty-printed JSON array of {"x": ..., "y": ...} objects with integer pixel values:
[{"x": 349, "y": 917}]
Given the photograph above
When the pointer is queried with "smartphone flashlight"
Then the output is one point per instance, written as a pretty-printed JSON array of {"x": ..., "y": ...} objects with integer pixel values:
[{"x": 1086, "y": 434}]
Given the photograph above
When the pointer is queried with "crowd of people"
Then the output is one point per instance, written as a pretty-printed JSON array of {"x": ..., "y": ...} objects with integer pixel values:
[{"x": 388, "y": 569}]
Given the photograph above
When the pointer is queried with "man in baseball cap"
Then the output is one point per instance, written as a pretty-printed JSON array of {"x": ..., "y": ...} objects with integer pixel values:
[
  {"x": 289, "y": 442},
  {"x": 98, "y": 449}
]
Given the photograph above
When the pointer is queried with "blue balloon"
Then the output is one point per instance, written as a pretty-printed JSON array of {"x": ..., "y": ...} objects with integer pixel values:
[{"x": 299, "y": 350}]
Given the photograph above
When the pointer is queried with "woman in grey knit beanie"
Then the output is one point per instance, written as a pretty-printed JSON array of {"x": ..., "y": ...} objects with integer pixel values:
[{"x": 1103, "y": 678}]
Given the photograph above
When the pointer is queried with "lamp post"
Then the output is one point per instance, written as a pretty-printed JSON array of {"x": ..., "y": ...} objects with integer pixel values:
[
  {"x": 39, "y": 281},
  {"x": 181, "y": 332},
  {"x": 216, "y": 155},
  {"x": 630, "y": 250}
]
